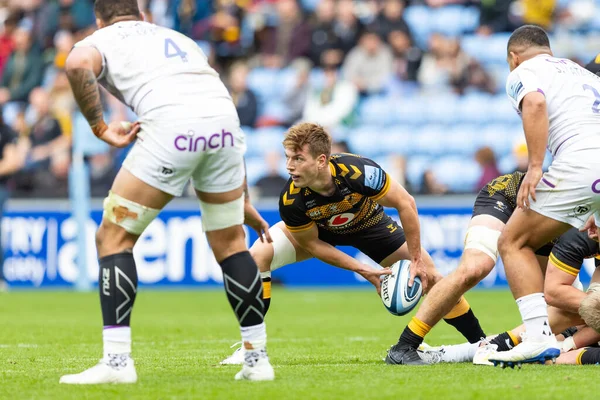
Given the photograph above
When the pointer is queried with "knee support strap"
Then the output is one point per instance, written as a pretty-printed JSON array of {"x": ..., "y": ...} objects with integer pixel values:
[
  {"x": 284, "y": 252},
  {"x": 131, "y": 216},
  {"x": 483, "y": 239},
  {"x": 221, "y": 216}
]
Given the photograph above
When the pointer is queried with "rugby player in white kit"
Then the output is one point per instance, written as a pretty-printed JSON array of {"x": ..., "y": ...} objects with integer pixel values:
[
  {"x": 559, "y": 103},
  {"x": 188, "y": 128}
]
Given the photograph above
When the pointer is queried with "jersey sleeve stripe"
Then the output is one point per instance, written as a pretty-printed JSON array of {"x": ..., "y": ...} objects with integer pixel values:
[
  {"x": 385, "y": 189},
  {"x": 300, "y": 228},
  {"x": 562, "y": 266}
]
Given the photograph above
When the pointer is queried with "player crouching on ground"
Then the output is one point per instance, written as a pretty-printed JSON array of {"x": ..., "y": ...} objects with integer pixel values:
[{"x": 337, "y": 200}]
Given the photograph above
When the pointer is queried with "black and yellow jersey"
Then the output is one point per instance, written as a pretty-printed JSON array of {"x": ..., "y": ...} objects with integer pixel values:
[
  {"x": 359, "y": 182},
  {"x": 571, "y": 249},
  {"x": 507, "y": 185}
]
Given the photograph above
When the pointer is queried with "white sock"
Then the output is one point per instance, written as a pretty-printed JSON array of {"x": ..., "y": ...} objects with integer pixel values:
[
  {"x": 255, "y": 335},
  {"x": 458, "y": 353},
  {"x": 534, "y": 312},
  {"x": 117, "y": 340}
]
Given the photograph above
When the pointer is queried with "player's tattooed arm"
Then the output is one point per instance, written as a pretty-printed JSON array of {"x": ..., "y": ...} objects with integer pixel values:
[
  {"x": 83, "y": 66},
  {"x": 87, "y": 94}
]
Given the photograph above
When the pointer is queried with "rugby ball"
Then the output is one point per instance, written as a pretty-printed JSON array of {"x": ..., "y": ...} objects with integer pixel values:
[{"x": 397, "y": 297}]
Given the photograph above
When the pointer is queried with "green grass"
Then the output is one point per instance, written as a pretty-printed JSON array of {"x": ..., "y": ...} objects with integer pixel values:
[{"x": 323, "y": 345}]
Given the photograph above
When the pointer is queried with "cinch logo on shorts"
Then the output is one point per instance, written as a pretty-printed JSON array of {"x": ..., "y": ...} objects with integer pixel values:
[
  {"x": 341, "y": 219},
  {"x": 201, "y": 143}
]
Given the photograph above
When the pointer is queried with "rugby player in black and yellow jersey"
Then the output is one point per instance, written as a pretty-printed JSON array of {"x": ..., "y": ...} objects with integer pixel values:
[{"x": 338, "y": 200}]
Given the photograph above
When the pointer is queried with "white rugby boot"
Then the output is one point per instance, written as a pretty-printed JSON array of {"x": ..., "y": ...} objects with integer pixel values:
[
  {"x": 256, "y": 367},
  {"x": 483, "y": 353},
  {"x": 116, "y": 369},
  {"x": 531, "y": 350},
  {"x": 237, "y": 358}
]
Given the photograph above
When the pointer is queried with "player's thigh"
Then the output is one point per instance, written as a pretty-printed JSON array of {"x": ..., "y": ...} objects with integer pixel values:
[
  {"x": 221, "y": 170},
  {"x": 218, "y": 180},
  {"x": 527, "y": 228},
  {"x": 130, "y": 206},
  {"x": 282, "y": 251}
]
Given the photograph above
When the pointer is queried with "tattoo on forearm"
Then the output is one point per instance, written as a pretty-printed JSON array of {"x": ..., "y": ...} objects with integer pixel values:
[{"x": 85, "y": 89}]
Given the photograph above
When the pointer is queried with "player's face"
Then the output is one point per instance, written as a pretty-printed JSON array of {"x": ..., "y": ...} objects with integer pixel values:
[{"x": 302, "y": 166}]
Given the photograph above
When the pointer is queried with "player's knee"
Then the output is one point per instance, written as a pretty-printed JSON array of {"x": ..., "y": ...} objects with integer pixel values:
[
  {"x": 262, "y": 253},
  {"x": 504, "y": 243},
  {"x": 227, "y": 242},
  {"x": 111, "y": 239},
  {"x": 471, "y": 273}
]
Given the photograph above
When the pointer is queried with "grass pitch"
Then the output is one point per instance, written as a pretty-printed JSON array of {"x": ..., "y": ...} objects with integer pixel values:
[{"x": 323, "y": 344}]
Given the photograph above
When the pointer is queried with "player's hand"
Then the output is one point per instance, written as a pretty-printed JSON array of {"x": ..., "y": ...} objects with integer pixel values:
[
  {"x": 530, "y": 181},
  {"x": 253, "y": 219},
  {"x": 591, "y": 228},
  {"x": 120, "y": 134},
  {"x": 373, "y": 275},
  {"x": 417, "y": 268}
]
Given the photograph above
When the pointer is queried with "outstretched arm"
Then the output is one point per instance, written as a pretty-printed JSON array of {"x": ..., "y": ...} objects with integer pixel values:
[
  {"x": 397, "y": 197},
  {"x": 309, "y": 240}
]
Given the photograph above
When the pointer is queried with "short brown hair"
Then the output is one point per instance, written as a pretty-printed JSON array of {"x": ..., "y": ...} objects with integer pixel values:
[
  {"x": 107, "y": 10},
  {"x": 313, "y": 135}
]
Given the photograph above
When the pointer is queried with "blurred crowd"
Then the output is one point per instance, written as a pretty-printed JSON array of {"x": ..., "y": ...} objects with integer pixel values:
[{"x": 354, "y": 66}]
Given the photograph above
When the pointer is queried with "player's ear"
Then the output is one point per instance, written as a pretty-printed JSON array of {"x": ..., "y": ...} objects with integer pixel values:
[
  {"x": 100, "y": 23},
  {"x": 322, "y": 160},
  {"x": 143, "y": 16},
  {"x": 513, "y": 60}
]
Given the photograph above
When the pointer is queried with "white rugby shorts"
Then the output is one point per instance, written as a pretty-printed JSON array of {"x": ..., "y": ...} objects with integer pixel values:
[
  {"x": 210, "y": 152},
  {"x": 570, "y": 190}
]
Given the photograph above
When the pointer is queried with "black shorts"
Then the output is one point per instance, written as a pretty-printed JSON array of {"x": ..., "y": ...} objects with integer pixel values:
[
  {"x": 571, "y": 249},
  {"x": 499, "y": 207},
  {"x": 377, "y": 242},
  {"x": 495, "y": 205}
]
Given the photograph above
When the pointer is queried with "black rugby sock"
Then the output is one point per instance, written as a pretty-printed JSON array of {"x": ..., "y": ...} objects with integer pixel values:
[
  {"x": 118, "y": 286},
  {"x": 504, "y": 341},
  {"x": 243, "y": 287},
  {"x": 468, "y": 325}
]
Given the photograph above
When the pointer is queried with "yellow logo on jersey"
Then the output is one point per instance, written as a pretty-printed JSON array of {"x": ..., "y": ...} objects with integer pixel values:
[
  {"x": 344, "y": 169},
  {"x": 357, "y": 172},
  {"x": 287, "y": 202},
  {"x": 294, "y": 189}
]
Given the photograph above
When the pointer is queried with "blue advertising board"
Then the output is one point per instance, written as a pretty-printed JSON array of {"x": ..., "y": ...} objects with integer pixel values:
[{"x": 41, "y": 250}]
